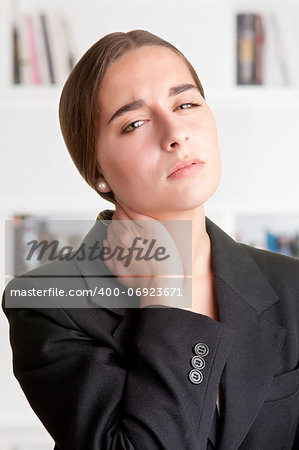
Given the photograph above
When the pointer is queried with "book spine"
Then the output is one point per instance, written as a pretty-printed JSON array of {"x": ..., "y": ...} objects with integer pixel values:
[
  {"x": 59, "y": 46},
  {"x": 16, "y": 55},
  {"x": 41, "y": 50},
  {"x": 245, "y": 49},
  {"x": 35, "y": 72},
  {"x": 45, "y": 32},
  {"x": 272, "y": 242},
  {"x": 25, "y": 56},
  {"x": 259, "y": 49}
]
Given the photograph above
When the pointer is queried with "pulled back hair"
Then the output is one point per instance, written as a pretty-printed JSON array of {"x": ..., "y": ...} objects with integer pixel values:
[{"x": 78, "y": 106}]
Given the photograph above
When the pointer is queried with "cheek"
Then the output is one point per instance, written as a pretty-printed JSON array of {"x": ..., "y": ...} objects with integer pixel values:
[
  {"x": 114, "y": 156},
  {"x": 207, "y": 135},
  {"x": 128, "y": 164},
  {"x": 215, "y": 164},
  {"x": 212, "y": 127},
  {"x": 139, "y": 152}
]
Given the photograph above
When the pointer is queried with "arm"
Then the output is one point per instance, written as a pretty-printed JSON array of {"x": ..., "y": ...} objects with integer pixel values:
[{"x": 89, "y": 395}]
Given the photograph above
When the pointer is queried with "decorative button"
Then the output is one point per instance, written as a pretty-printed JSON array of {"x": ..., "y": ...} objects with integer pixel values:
[
  {"x": 201, "y": 349},
  {"x": 195, "y": 376},
  {"x": 198, "y": 362}
]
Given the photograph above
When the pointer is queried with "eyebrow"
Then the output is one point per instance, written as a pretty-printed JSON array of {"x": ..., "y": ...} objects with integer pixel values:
[{"x": 175, "y": 90}]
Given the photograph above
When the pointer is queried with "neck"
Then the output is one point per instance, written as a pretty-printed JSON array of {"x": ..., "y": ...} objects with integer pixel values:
[{"x": 200, "y": 245}]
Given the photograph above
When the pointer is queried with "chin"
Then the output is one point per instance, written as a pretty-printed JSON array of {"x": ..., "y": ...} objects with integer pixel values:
[
  {"x": 196, "y": 196},
  {"x": 187, "y": 203}
]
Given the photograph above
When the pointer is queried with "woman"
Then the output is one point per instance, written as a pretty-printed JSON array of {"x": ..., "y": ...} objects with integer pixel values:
[{"x": 138, "y": 372}]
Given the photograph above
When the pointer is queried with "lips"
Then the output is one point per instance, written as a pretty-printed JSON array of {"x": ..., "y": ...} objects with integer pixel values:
[{"x": 184, "y": 163}]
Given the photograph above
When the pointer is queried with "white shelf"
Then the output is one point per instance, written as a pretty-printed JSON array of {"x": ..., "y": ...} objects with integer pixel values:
[
  {"x": 30, "y": 97},
  {"x": 254, "y": 97}
]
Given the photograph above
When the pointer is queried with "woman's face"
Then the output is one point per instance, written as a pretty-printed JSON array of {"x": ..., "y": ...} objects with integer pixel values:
[{"x": 138, "y": 146}]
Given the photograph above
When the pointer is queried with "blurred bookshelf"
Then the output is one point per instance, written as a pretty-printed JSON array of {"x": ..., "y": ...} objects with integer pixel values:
[
  {"x": 257, "y": 40},
  {"x": 256, "y": 33}
]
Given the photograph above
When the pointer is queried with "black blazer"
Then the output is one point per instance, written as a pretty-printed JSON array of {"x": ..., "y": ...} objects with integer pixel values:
[{"x": 119, "y": 378}]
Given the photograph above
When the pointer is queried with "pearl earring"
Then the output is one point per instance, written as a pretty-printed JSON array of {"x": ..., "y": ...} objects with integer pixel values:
[{"x": 102, "y": 185}]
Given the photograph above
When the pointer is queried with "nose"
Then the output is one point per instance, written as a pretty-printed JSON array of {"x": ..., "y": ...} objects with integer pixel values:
[{"x": 173, "y": 135}]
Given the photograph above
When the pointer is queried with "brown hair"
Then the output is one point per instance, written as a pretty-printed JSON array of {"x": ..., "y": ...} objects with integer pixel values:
[{"x": 78, "y": 107}]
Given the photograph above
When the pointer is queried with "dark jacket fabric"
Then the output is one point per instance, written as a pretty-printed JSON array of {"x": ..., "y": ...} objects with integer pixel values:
[{"x": 101, "y": 376}]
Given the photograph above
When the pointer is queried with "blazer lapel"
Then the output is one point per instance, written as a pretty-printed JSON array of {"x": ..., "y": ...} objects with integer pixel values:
[{"x": 243, "y": 293}]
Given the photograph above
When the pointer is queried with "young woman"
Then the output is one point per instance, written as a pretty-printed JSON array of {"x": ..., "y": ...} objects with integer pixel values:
[{"x": 138, "y": 372}]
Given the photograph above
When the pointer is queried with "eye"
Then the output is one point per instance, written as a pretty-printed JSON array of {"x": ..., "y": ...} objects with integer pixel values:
[
  {"x": 187, "y": 105},
  {"x": 132, "y": 126}
]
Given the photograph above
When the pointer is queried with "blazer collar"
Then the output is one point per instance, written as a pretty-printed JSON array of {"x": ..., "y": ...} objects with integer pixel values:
[{"x": 234, "y": 265}]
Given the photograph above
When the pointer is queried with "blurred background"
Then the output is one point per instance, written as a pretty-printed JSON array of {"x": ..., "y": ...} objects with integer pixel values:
[{"x": 247, "y": 56}]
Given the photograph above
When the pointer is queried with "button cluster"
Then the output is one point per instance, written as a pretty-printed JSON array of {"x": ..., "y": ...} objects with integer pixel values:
[{"x": 198, "y": 362}]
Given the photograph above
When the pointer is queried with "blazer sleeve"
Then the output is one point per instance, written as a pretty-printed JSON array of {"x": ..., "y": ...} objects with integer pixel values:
[
  {"x": 296, "y": 441},
  {"x": 87, "y": 396}
]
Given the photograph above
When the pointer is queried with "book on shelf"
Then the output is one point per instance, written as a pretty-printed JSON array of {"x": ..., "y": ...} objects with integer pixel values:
[
  {"x": 42, "y": 52},
  {"x": 250, "y": 44},
  {"x": 284, "y": 22},
  {"x": 16, "y": 55},
  {"x": 267, "y": 47}
]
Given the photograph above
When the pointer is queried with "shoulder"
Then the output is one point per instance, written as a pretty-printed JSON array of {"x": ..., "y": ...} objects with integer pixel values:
[
  {"x": 57, "y": 292},
  {"x": 56, "y": 273},
  {"x": 40, "y": 288},
  {"x": 281, "y": 271},
  {"x": 52, "y": 268},
  {"x": 271, "y": 262}
]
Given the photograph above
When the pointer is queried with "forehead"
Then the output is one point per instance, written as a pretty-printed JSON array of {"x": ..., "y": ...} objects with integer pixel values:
[{"x": 152, "y": 68}]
